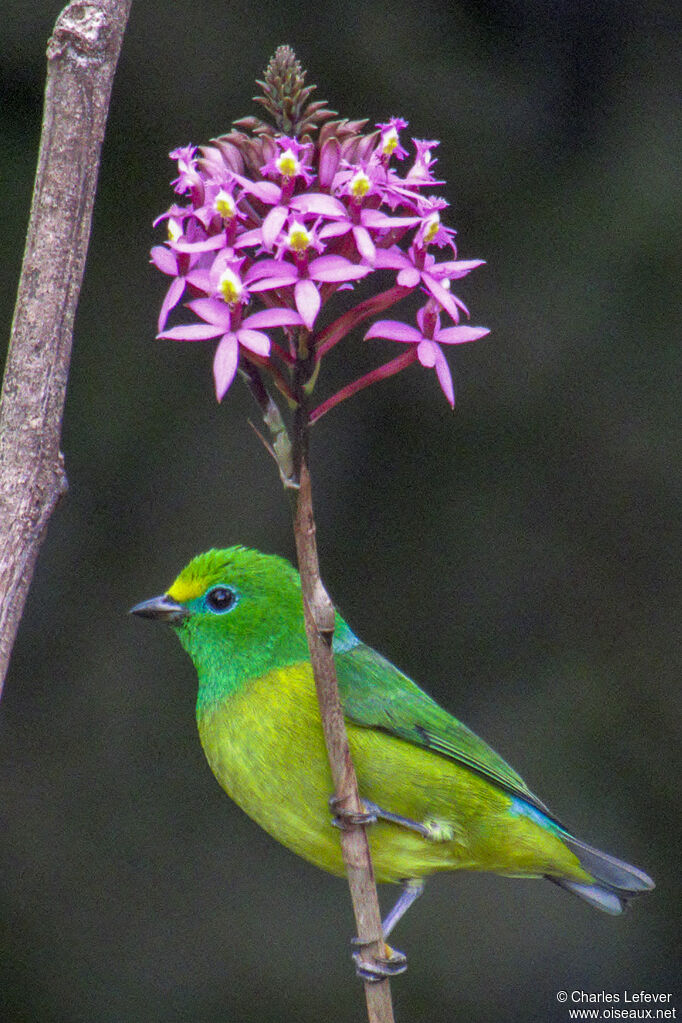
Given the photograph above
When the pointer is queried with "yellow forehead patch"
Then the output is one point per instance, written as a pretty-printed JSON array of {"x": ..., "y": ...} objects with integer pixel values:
[{"x": 185, "y": 589}]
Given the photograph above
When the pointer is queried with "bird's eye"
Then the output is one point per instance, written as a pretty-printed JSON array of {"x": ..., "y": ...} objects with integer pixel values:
[{"x": 220, "y": 599}]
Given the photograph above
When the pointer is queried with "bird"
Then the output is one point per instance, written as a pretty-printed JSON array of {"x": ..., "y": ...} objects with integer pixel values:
[{"x": 436, "y": 797}]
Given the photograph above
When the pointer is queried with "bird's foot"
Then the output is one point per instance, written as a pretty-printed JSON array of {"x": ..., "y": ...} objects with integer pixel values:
[
  {"x": 343, "y": 819},
  {"x": 376, "y": 968}
]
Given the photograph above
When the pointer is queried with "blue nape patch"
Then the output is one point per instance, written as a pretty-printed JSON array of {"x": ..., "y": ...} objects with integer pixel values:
[
  {"x": 344, "y": 640},
  {"x": 520, "y": 808}
]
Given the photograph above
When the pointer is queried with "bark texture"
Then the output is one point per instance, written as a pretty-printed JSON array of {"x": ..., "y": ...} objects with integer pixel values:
[{"x": 82, "y": 54}]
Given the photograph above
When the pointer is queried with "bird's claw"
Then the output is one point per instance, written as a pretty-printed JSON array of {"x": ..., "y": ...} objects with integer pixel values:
[
  {"x": 377, "y": 968},
  {"x": 344, "y": 819}
]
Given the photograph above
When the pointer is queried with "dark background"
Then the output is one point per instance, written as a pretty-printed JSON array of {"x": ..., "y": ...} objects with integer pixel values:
[{"x": 516, "y": 558}]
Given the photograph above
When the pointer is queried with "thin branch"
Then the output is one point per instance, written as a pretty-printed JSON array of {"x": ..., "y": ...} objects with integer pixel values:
[
  {"x": 82, "y": 55},
  {"x": 388, "y": 369},
  {"x": 337, "y": 330},
  {"x": 292, "y": 461},
  {"x": 319, "y": 625}
]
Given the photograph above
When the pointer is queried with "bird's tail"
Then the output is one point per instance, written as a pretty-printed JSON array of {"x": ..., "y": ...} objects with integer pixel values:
[{"x": 614, "y": 882}]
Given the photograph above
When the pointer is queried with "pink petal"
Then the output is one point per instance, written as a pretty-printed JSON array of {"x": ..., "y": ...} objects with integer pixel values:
[
  {"x": 457, "y": 335},
  {"x": 275, "y": 268},
  {"x": 199, "y": 279},
  {"x": 273, "y": 318},
  {"x": 445, "y": 377},
  {"x": 441, "y": 295},
  {"x": 272, "y": 225},
  {"x": 225, "y": 364},
  {"x": 319, "y": 204},
  {"x": 163, "y": 216},
  {"x": 427, "y": 353},
  {"x": 164, "y": 259},
  {"x": 334, "y": 229},
  {"x": 366, "y": 246},
  {"x": 173, "y": 296},
  {"x": 392, "y": 258},
  {"x": 247, "y": 238},
  {"x": 204, "y": 215},
  {"x": 307, "y": 301},
  {"x": 266, "y": 191},
  {"x": 460, "y": 305},
  {"x": 212, "y": 310},
  {"x": 191, "y": 332},
  {"x": 408, "y": 278},
  {"x": 217, "y": 241},
  {"x": 268, "y": 283},
  {"x": 456, "y": 268},
  {"x": 378, "y": 220},
  {"x": 394, "y": 330},
  {"x": 254, "y": 340},
  {"x": 332, "y": 269}
]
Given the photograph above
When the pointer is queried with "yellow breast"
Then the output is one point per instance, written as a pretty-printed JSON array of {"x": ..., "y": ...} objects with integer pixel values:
[{"x": 265, "y": 746}]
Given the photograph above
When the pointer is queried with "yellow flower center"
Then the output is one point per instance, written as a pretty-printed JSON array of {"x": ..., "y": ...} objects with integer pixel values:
[
  {"x": 298, "y": 238},
  {"x": 432, "y": 228},
  {"x": 390, "y": 141},
  {"x": 230, "y": 287},
  {"x": 224, "y": 205},
  {"x": 174, "y": 230},
  {"x": 359, "y": 184},
  {"x": 287, "y": 164}
]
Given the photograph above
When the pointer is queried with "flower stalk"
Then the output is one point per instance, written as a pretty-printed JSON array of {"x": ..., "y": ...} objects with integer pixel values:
[
  {"x": 389, "y": 369},
  {"x": 319, "y": 625}
]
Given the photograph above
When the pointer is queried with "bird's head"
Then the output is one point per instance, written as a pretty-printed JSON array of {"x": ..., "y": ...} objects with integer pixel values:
[{"x": 235, "y": 611}]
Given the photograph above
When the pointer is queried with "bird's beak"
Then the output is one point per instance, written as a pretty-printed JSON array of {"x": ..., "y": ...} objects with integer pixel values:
[{"x": 161, "y": 609}]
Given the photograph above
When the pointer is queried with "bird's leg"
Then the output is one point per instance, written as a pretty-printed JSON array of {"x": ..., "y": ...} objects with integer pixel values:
[
  {"x": 426, "y": 830},
  {"x": 434, "y": 831},
  {"x": 412, "y": 889},
  {"x": 392, "y": 962},
  {"x": 342, "y": 818}
]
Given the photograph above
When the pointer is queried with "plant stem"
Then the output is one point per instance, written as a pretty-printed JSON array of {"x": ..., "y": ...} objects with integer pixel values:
[
  {"x": 337, "y": 330},
  {"x": 388, "y": 369},
  {"x": 280, "y": 449},
  {"x": 82, "y": 54},
  {"x": 319, "y": 625}
]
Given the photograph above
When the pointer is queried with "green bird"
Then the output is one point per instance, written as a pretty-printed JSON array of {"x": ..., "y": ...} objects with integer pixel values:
[{"x": 439, "y": 797}]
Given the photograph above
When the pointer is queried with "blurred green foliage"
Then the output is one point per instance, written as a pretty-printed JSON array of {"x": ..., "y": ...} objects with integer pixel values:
[{"x": 516, "y": 558}]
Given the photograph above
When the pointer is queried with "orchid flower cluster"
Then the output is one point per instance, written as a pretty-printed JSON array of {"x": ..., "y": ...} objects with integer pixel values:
[{"x": 277, "y": 220}]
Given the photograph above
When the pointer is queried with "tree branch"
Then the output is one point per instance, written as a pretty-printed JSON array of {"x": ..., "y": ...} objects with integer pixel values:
[{"x": 82, "y": 55}]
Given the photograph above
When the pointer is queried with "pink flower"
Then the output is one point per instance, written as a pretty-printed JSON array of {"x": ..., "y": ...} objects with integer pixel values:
[
  {"x": 287, "y": 164},
  {"x": 428, "y": 340},
  {"x": 304, "y": 277},
  {"x": 389, "y": 144},
  {"x": 283, "y": 225},
  {"x": 179, "y": 267},
  {"x": 224, "y": 322},
  {"x": 416, "y": 266},
  {"x": 188, "y": 179}
]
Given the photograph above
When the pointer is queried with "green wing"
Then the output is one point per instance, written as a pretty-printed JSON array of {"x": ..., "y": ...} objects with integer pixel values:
[{"x": 375, "y": 694}]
